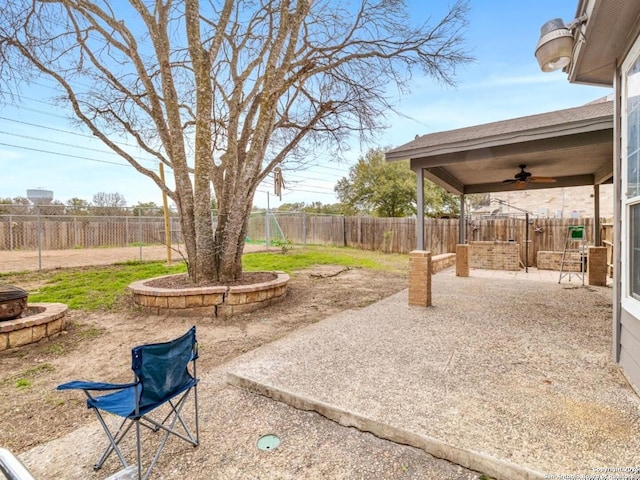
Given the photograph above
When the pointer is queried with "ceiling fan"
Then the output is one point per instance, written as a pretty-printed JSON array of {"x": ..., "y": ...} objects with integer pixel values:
[{"x": 523, "y": 177}]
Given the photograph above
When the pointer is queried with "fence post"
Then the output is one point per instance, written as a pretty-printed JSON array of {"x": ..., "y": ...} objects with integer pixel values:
[
  {"x": 304, "y": 228},
  {"x": 344, "y": 231},
  {"x": 39, "y": 237},
  {"x": 75, "y": 232},
  {"x": 140, "y": 231},
  {"x": 267, "y": 233},
  {"x": 10, "y": 234}
]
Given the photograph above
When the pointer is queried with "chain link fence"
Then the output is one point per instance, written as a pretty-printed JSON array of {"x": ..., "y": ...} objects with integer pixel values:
[
  {"x": 39, "y": 230},
  {"x": 28, "y": 228}
]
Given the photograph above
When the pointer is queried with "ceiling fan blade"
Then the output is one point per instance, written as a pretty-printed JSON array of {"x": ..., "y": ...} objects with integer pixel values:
[
  {"x": 542, "y": 180},
  {"x": 510, "y": 180}
]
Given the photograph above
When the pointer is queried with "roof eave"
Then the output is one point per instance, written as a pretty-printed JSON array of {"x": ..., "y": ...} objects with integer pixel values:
[
  {"x": 569, "y": 128},
  {"x": 603, "y": 41}
]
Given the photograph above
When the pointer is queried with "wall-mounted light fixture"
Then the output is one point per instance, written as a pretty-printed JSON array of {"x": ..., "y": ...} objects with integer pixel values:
[{"x": 555, "y": 46}]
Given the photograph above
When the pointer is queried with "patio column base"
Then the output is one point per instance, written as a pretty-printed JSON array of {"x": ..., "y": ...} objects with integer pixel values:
[
  {"x": 462, "y": 260},
  {"x": 597, "y": 266},
  {"x": 420, "y": 278}
]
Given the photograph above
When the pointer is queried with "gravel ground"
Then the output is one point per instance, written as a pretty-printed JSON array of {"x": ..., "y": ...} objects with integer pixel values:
[
  {"x": 511, "y": 377},
  {"x": 232, "y": 420}
]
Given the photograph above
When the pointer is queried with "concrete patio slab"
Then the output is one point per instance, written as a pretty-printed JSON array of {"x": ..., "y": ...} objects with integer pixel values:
[
  {"x": 231, "y": 422},
  {"x": 509, "y": 377}
]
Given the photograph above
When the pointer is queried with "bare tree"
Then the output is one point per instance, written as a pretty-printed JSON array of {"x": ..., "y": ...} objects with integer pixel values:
[
  {"x": 108, "y": 204},
  {"x": 222, "y": 91}
]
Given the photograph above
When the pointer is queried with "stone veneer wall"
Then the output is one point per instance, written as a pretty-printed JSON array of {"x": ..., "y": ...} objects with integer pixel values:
[
  {"x": 216, "y": 301},
  {"x": 494, "y": 255},
  {"x": 548, "y": 260},
  {"x": 442, "y": 261},
  {"x": 47, "y": 321}
]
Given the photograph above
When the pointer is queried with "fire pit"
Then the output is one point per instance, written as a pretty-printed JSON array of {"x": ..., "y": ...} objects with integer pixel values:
[
  {"x": 21, "y": 324},
  {"x": 13, "y": 301}
]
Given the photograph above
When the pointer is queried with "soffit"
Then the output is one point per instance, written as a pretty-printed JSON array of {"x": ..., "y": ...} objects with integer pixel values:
[{"x": 603, "y": 40}]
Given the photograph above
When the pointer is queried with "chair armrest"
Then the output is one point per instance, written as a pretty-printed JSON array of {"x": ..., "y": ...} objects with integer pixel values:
[{"x": 97, "y": 386}]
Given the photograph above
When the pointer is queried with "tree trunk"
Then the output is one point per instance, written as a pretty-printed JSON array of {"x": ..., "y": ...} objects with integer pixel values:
[{"x": 230, "y": 238}]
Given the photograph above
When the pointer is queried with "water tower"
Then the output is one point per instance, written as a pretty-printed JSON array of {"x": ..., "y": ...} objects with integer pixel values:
[{"x": 39, "y": 196}]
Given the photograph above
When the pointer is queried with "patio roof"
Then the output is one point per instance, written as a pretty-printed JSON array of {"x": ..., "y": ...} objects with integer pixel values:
[{"x": 574, "y": 146}]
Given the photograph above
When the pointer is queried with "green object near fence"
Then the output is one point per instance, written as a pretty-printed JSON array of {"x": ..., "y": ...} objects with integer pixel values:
[{"x": 576, "y": 232}]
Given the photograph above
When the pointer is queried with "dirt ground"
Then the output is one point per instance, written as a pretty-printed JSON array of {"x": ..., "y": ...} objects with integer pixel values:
[
  {"x": 96, "y": 346},
  {"x": 21, "y": 260}
]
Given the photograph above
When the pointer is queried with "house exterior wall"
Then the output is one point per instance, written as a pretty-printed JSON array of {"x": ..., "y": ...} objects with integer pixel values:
[
  {"x": 607, "y": 52},
  {"x": 565, "y": 202},
  {"x": 628, "y": 294},
  {"x": 630, "y": 347}
]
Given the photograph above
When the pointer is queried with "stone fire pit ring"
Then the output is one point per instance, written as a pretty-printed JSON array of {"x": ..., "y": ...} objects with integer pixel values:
[
  {"x": 42, "y": 320},
  {"x": 218, "y": 301}
]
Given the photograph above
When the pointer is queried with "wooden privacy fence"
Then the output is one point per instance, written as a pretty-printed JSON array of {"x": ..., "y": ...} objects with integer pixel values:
[
  {"x": 398, "y": 235},
  {"x": 390, "y": 235}
]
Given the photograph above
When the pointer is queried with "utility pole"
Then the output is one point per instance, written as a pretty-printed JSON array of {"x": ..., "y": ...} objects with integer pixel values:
[
  {"x": 165, "y": 207},
  {"x": 267, "y": 233}
]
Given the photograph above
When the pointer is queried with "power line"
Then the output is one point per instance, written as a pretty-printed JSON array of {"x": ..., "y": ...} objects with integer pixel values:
[
  {"x": 316, "y": 177},
  {"x": 290, "y": 192},
  {"x": 67, "y": 145},
  {"x": 68, "y": 155},
  {"x": 60, "y": 130}
]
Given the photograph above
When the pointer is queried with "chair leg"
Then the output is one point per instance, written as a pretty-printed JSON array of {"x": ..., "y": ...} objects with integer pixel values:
[
  {"x": 168, "y": 425},
  {"x": 176, "y": 409},
  {"x": 195, "y": 402},
  {"x": 170, "y": 430},
  {"x": 139, "y": 451},
  {"x": 113, "y": 442}
]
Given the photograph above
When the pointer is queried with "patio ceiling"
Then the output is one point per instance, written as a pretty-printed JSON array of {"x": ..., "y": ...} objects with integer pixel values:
[{"x": 574, "y": 146}]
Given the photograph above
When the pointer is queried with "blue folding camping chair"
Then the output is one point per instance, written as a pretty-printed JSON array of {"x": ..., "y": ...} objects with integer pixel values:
[{"x": 164, "y": 375}]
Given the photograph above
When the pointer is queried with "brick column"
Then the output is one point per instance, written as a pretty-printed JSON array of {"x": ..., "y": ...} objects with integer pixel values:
[
  {"x": 420, "y": 278},
  {"x": 462, "y": 260},
  {"x": 597, "y": 266}
]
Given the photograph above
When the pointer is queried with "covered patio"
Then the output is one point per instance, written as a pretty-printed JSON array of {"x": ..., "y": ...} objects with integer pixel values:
[{"x": 574, "y": 147}]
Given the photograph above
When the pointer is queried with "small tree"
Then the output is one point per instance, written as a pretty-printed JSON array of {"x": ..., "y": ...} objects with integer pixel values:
[
  {"x": 223, "y": 91},
  {"x": 438, "y": 202},
  {"x": 388, "y": 189},
  {"x": 147, "y": 209},
  {"x": 17, "y": 206},
  {"x": 111, "y": 204},
  {"x": 374, "y": 186},
  {"x": 51, "y": 207},
  {"x": 77, "y": 206}
]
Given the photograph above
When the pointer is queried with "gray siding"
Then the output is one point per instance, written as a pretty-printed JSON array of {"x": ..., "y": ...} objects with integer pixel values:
[{"x": 630, "y": 347}]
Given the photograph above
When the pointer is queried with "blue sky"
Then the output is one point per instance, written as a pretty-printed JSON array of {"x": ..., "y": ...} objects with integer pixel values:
[{"x": 503, "y": 82}]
